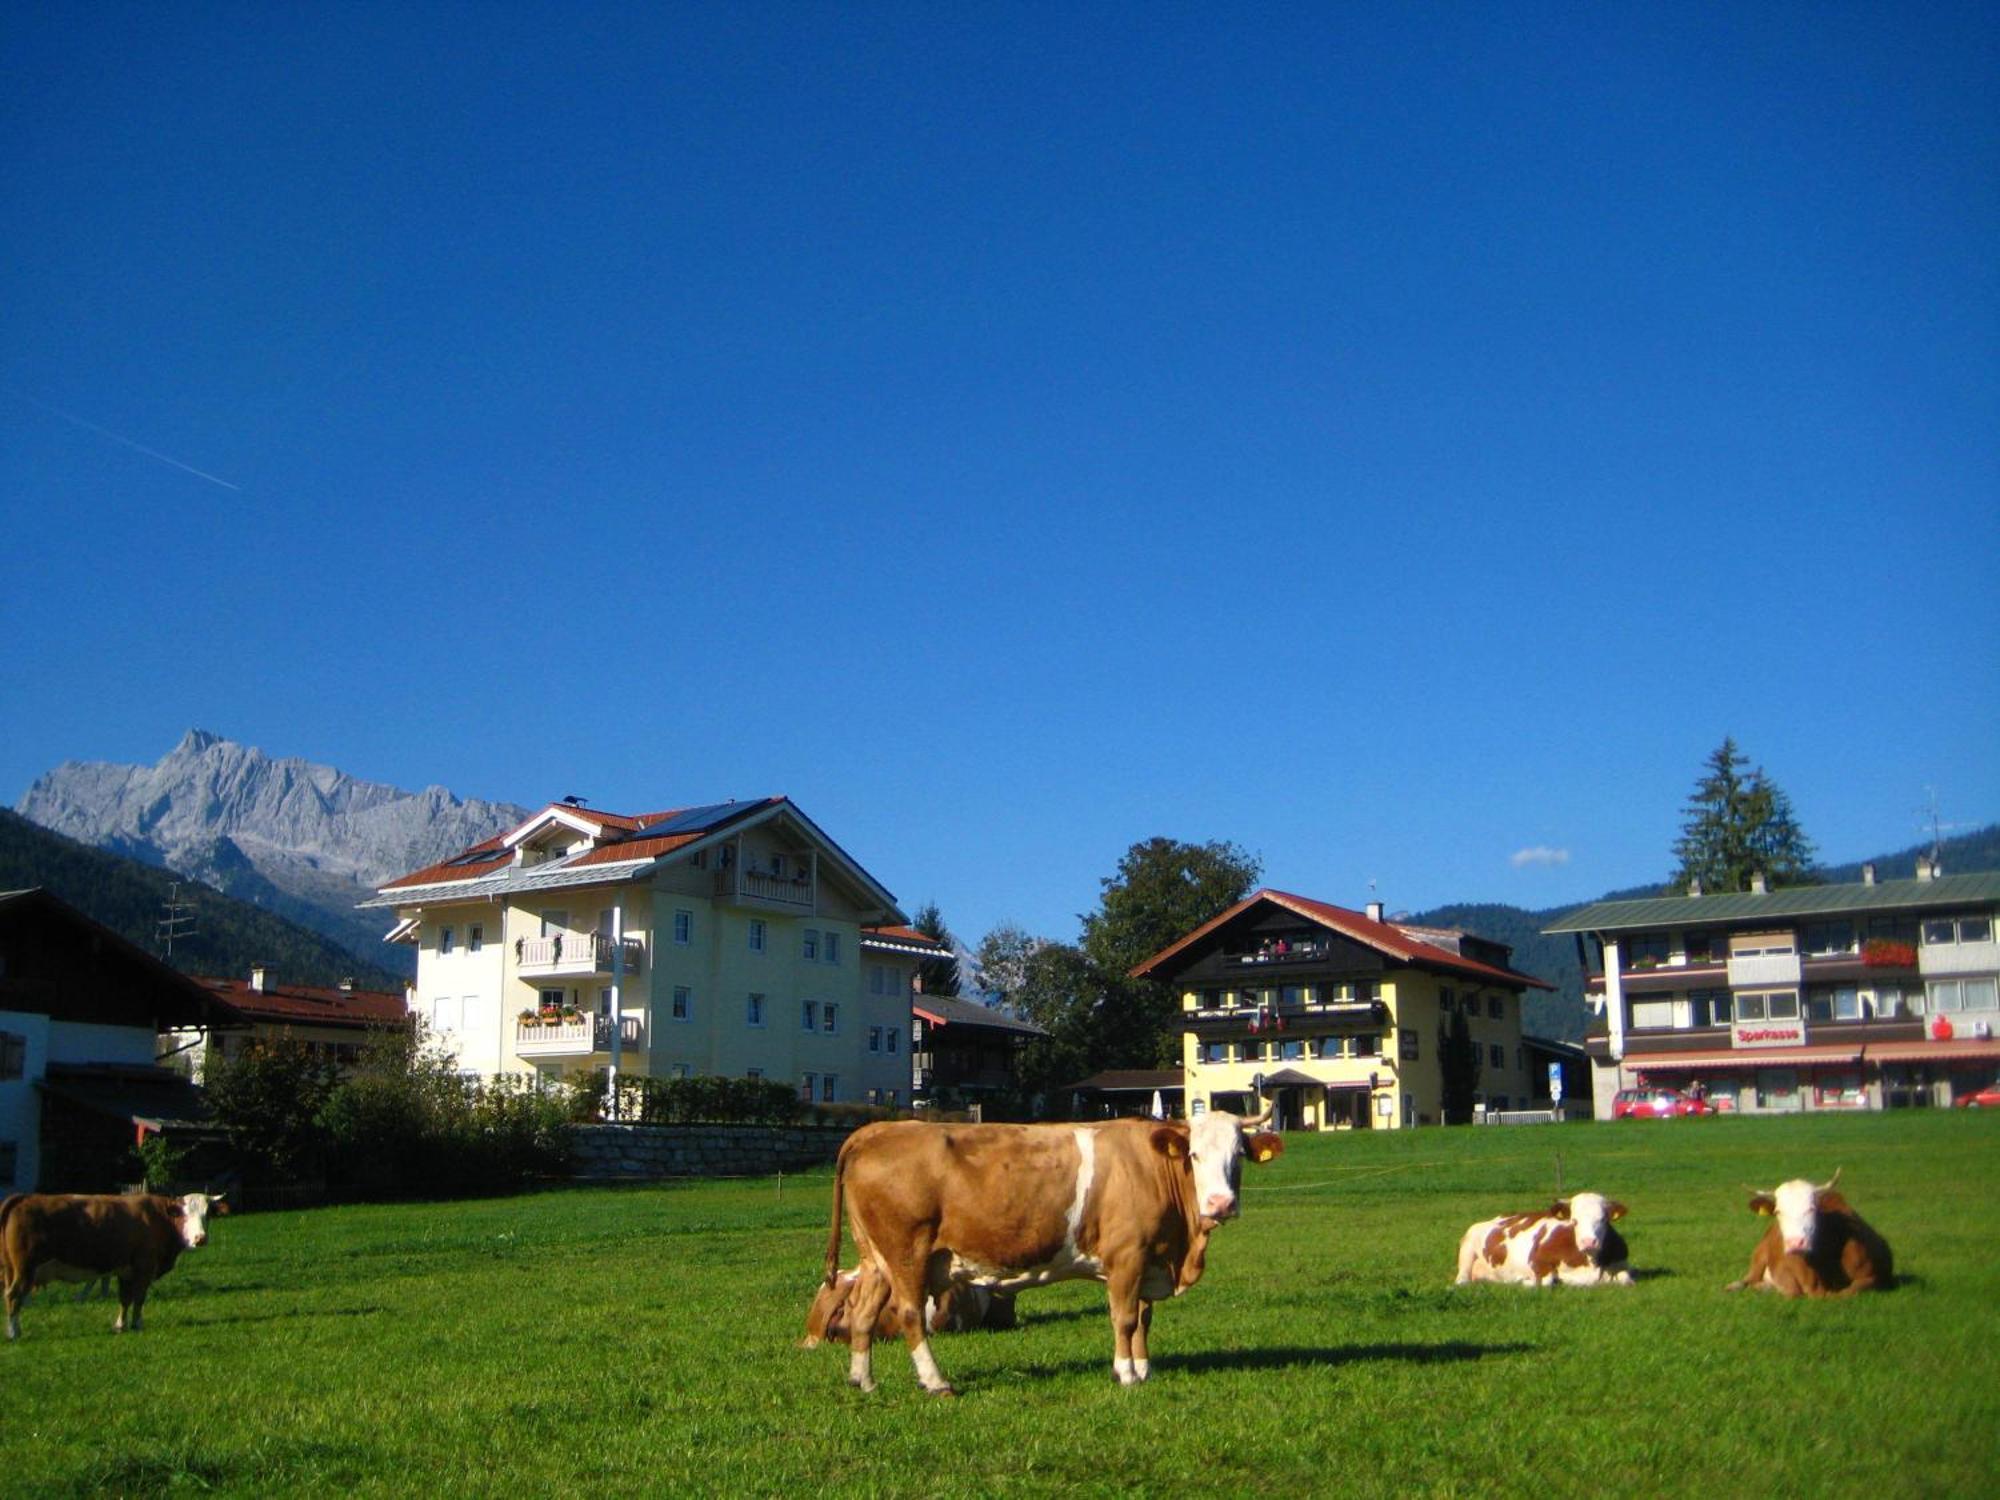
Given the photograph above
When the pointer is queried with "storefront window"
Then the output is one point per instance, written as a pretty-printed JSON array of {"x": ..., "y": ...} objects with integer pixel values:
[
  {"x": 1778, "y": 1088},
  {"x": 1838, "y": 1090}
]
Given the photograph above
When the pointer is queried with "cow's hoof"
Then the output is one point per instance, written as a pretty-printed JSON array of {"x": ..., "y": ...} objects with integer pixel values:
[
  {"x": 943, "y": 1390},
  {"x": 863, "y": 1386}
]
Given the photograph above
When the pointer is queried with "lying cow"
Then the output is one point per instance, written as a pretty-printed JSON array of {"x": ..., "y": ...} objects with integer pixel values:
[
  {"x": 74, "y": 1237},
  {"x": 1130, "y": 1203},
  {"x": 1572, "y": 1241},
  {"x": 956, "y": 1309},
  {"x": 1816, "y": 1245}
]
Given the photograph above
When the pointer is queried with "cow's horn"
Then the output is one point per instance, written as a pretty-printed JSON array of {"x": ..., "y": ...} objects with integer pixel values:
[
  {"x": 1828, "y": 1187},
  {"x": 1258, "y": 1121}
]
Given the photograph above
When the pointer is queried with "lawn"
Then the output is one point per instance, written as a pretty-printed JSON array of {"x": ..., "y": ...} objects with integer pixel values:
[{"x": 641, "y": 1340}]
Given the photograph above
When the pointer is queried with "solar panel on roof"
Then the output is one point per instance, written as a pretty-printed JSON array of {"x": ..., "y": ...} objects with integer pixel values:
[
  {"x": 477, "y": 856},
  {"x": 694, "y": 819}
]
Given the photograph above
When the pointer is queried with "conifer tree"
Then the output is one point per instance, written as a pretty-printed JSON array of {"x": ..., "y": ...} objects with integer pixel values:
[{"x": 1739, "y": 824}]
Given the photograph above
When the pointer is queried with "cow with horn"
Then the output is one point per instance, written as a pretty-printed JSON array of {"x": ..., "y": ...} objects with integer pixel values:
[
  {"x": 1816, "y": 1246},
  {"x": 1130, "y": 1203}
]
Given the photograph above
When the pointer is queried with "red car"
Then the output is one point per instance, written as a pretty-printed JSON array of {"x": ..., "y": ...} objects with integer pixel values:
[
  {"x": 1657, "y": 1104},
  {"x": 1986, "y": 1098}
]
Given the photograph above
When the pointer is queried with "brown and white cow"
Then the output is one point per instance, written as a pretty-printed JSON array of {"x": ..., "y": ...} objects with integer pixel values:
[
  {"x": 1572, "y": 1241},
  {"x": 956, "y": 1309},
  {"x": 48, "y": 1237},
  {"x": 1816, "y": 1245},
  {"x": 1130, "y": 1203}
]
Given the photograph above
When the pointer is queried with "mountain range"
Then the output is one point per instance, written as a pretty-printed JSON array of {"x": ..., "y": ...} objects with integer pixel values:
[
  {"x": 306, "y": 842},
  {"x": 303, "y": 840}
]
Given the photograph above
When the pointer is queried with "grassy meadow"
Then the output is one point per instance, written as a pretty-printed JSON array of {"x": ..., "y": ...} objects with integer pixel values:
[{"x": 641, "y": 1340}]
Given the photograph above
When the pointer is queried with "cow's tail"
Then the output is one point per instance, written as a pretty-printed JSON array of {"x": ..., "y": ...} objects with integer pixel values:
[
  {"x": 833, "y": 1230},
  {"x": 7, "y": 1206}
]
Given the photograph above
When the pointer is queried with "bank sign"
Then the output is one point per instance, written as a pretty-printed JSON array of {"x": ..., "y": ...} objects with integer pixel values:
[{"x": 1769, "y": 1034}]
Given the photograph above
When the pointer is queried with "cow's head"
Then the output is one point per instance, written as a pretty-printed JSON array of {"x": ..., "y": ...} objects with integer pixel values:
[
  {"x": 1215, "y": 1145},
  {"x": 1796, "y": 1205},
  {"x": 1591, "y": 1214},
  {"x": 191, "y": 1216}
]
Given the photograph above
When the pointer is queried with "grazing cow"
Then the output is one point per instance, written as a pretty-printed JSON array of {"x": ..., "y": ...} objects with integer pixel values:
[
  {"x": 1816, "y": 1245},
  {"x": 76, "y": 1237},
  {"x": 1571, "y": 1241},
  {"x": 956, "y": 1309},
  {"x": 1130, "y": 1203}
]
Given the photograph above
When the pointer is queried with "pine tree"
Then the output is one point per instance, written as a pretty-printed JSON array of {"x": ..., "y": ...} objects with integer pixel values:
[
  {"x": 936, "y": 976},
  {"x": 1739, "y": 824}
]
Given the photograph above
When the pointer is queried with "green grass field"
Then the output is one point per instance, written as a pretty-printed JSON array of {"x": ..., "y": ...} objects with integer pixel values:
[{"x": 626, "y": 1341}]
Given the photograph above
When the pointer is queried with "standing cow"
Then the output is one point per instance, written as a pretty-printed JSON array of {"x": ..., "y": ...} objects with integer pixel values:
[
  {"x": 48, "y": 1237},
  {"x": 1572, "y": 1241},
  {"x": 1130, "y": 1203},
  {"x": 1816, "y": 1245}
]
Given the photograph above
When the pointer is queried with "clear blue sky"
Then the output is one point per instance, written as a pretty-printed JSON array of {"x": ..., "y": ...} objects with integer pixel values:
[{"x": 1394, "y": 438}]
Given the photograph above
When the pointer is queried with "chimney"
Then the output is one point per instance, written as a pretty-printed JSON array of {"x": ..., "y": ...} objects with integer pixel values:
[
  {"x": 1927, "y": 868},
  {"x": 1374, "y": 911},
  {"x": 1868, "y": 874},
  {"x": 347, "y": 984},
  {"x": 1694, "y": 886},
  {"x": 1757, "y": 884},
  {"x": 257, "y": 973}
]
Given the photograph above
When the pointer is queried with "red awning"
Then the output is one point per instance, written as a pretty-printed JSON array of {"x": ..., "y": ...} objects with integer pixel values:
[
  {"x": 1944, "y": 1052},
  {"x": 1746, "y": 1057}
]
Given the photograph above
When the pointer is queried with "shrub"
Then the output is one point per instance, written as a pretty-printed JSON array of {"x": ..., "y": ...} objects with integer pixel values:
[
  {"x": 270, "y": 1097},
  {"x": 704, "y": 1100}
]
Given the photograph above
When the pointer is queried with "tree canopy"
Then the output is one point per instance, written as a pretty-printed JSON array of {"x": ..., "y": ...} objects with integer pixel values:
[
  {"x": 1739, "y": 824},
  {"x": 936, "y": 976}
]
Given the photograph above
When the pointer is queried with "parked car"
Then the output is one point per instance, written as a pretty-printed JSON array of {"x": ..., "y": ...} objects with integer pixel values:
[
  {"x": 1986, "y": 1098},
  {"x": 1657, "y": 1104}
]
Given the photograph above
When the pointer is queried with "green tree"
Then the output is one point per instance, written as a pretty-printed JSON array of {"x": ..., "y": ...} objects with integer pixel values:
[
  {"x": 1458, "y": 1069},
  {"x": 936, "y": 976},
  {"x": 1739, "y": 824},
  {"x": 270, "y": 1095}
]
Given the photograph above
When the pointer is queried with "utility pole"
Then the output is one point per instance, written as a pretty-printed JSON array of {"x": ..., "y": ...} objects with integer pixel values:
[{"x": 176, "y": 920}]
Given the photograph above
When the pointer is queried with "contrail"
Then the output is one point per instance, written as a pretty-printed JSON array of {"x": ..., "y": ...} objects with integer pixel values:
[{"x": 125, "y": 442}]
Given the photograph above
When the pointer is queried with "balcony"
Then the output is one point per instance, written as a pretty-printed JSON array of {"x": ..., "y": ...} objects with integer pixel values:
[
  {"x": 578, "y": 1038},
  {"x": 565, "y": 955},
  {"x": 737, "y": 885}
]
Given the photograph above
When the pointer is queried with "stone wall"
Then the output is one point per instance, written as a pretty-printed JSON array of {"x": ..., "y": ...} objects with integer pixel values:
[{"x": 634, "y": 1153}]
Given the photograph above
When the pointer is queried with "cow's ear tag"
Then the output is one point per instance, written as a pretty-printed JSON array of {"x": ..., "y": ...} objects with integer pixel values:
[
  {"x": 1614, "y": 1210},
  {"x": 1265, "y": 1147},
  {"x": 1763, "y": 1204},
  {"x": 1169, "y": 1143}
]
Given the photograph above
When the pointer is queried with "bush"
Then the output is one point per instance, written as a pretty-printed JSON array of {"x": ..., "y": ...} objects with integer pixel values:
[
  {"x": 270, "y": 1096},
  {"x": 688, "y": 1101}
]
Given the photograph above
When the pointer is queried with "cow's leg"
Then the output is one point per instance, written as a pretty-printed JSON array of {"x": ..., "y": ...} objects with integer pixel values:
[
  {"x": 1142, "y": 1364},
  {"x": 1122, "y": 1291},
  {"x": 1758, "y": 1275},
  {"x": 864, "y": 1305},
  {"x": 131, "y": 1304},
  {"x": 17, "y": 1293},
  {"x": 910, "y": 1280}
]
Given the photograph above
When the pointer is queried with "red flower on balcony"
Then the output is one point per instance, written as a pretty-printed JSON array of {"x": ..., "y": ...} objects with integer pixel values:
[{"x": 1886, "y": 953}]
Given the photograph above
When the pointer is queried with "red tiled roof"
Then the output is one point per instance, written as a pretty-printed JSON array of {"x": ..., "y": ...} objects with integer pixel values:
[
  {"x": 1384, "y": 937},
  {"x": 310, "y": 1004},
  {"x": 908, "y": 935}
]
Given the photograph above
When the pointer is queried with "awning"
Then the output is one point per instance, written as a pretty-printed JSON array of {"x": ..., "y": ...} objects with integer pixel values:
[
  {"x": 1933, "y": 1052},
  {"x": 1745, "y": 1057},
  {"x": 1290, "y": 1078}
]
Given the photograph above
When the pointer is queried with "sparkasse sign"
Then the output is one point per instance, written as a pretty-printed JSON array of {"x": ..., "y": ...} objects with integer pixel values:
[{"x": 1769, "y": 1034}]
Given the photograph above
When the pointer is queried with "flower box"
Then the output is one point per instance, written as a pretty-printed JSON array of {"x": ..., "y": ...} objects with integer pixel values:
[{"x": 1886, "y": 953}]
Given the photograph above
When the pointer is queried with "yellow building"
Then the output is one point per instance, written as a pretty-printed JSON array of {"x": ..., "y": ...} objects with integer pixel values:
[
  {"x": 1335, "y": 1016},
  {"x": 730, "y": 939}
]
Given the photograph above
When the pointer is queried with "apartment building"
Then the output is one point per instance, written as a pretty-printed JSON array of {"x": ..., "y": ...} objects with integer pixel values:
[
  {"x": 733, "y": 939},
  {"x": 1874, "y": 995},
  {"x": 1334, "y": 1016}
]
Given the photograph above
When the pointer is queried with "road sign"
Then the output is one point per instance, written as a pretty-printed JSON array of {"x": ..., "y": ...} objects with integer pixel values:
[{"x": 1556, "y": 1082}]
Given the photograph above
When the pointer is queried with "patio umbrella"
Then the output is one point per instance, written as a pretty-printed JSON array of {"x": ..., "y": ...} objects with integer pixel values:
[{"x": 1159, "y": 1106}]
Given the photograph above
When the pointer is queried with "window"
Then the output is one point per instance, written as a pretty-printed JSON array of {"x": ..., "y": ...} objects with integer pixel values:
[
  {"x": 475, "y": 938},
  {"x": 829, "y": 1088},
  {"x": 874, "y": 1038},
  {"x": 1975, "y": 929},
  {"x": 1894, "y": 929},
  {"x": 1950, "y": 996},
  {"x": 892, "y": 1039},
  {"x": 1496, "y": 1007},
  {"x": 1707, "y": 948},
  {"x": 807, "y": 1083},
  {"x": 833, "y": 947},
  {"x": 13, "y": 1054},
  {"x": 683, "y": 1003},
  {"x": 1294, "y": 1051},
  {"x": 1777, "y": 1088},
  {"x": 1652, "y": 1015},
  {"x": 1291, "y": 994},
  {"x": 554, "y": 921},
  {"x": 604, "y": 1002},
  {"x": 1409, "y": 1044},
  {"x": 681, "y": 1070},
  {"x": 1368, "y": 1045},
  {"x": 753, "y": 1011},
  {"x": 756, "y": 1073},
  {"x": 1940, "y": 930},
  {"x": 756, "y": 934},
  {"x": 1646, "y": 950},
  {"x": 1497, "y": 1055},
  {"x": 683, "y": 928},
  {"x": 551, "y": 1000},
  {"x": 1215, "y": 1052},
  {"x": 1841, "y": 1090},
  {"x": 1833, "y": 1002},
  {"x": 1708, "y": 1007},
  {"x": 809, "y": 946},
  {"x": 1762, "y": 945},
  {"x": 1825, "y": 939},
  {"x": 878, "y": 979},
  {"x": 1448, "y": 1000},
  {"x": 444, "y": 941},
  {"x": 1768, "y": 1005},
  {"x": 1888, "y": 1002},
  {"x": 829, "y": 1018},
  {"x": 809, "y": 1015}
]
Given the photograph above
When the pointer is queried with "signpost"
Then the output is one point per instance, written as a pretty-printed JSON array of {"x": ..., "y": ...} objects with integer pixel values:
[{"x": 1556, "y": 1082}]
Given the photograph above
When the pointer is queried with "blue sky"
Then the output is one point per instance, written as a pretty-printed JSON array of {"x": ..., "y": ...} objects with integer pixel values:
[{"x": 1394, "y": 438}]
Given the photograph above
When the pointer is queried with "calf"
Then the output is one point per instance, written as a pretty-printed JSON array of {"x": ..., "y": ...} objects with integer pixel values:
[
  {"x": 956, "y": 1309},
  {"x": 1571, "y": 1241},
  {"x": 1816, "y": 1245},
  {"x": 47, "y": 1237},
  {"x": 1130, "y": 1203}
]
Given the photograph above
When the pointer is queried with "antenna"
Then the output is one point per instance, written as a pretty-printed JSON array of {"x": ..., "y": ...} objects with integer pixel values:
[
  {"x": 176, "y": 920},
  {"x": 1935, "y": 824}
]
